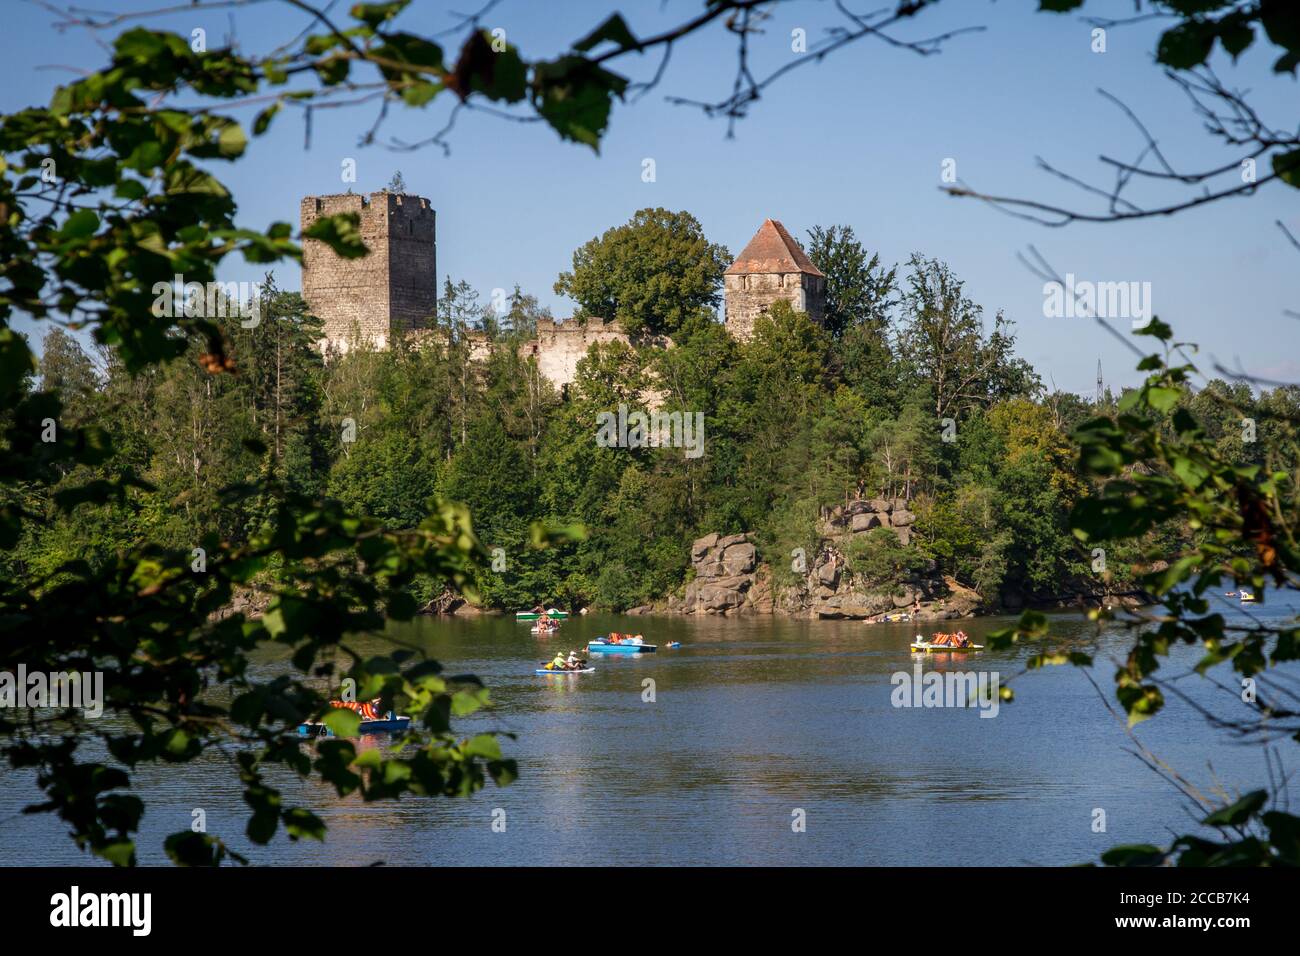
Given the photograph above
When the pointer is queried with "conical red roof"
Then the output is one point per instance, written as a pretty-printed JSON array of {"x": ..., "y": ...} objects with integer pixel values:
[{"x": 772, "y": 250}]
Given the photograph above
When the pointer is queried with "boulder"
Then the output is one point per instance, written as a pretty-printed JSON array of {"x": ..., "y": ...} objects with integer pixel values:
[
  {"x": 856, "y": 611},
  {"x": 901, "y": 518},
  {"x": 900, "y": 504},
  {"x": 713, "y": 599},
  {"x": 828, "y": 574},
  {"x": 881, "y": 504},
  {"x": 865, "y": 522},
  {"x": 904, "y": 535},
  {"x": 740, "y": 558},
  {"x": 830, "y": 527},
  {"x": 710, "y": 569},
  {"x": 759, "y": 596},
  {"x": 738, "y": 582},
  {"x": 857, "y": 507},
  {"x": 729, "y": 540},
  {"x": 905, "y": 596},
  {"x": 702, "y": 545}
]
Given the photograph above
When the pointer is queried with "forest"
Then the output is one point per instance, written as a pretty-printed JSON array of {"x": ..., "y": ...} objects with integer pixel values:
[
  {"x": 908, "y": 389},
  {"x": 154, "y": 466}
]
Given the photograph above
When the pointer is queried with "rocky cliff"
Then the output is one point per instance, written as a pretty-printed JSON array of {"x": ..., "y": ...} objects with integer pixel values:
[{"x": 729, "y": 578}]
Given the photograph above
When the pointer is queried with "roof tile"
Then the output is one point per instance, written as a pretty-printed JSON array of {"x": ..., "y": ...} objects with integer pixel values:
[{"x": 772, "y": 250}]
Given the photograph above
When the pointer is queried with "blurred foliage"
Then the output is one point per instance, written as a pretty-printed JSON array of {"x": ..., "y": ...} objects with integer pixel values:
[{"x": 1221, "y": 464}]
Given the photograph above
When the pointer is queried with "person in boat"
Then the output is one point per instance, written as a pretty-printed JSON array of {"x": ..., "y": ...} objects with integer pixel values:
[
  {"x": 368, "y": 710},
  {"x": 574, "y": 660},
  {"x": 559, "y": 663}
]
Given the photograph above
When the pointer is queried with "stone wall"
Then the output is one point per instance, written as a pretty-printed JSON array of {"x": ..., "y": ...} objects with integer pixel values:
[
  {"x": 392, "y": 288},
  {"x": 560, "y": 346},
  {"x": 751, "y": 294},
  {"x": 413, "y": 261}
]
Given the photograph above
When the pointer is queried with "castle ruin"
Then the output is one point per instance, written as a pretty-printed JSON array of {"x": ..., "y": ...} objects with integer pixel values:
[
  {"x": 394, "y": 289},
  {"x": 771, "y": 268}
]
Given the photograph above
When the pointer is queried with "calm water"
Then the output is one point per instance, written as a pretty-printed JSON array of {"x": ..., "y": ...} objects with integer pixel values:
[{"x": 753, "y": 719}]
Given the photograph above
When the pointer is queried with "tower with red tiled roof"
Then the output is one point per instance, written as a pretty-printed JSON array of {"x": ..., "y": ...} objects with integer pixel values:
[{"x": 772, "y": 267}]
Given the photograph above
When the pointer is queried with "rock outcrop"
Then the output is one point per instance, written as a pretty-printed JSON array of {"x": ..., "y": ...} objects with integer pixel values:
[
  {"x": 863, "y": 515},
  {"x": 730, "y": 578}
]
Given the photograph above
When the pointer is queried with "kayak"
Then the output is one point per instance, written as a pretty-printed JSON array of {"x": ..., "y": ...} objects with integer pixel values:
[
  {"x": 533, "y": 615},
  {"x": 388, "y": 725},
  {"x": 545, "y": 630},
  {"x": 581, "y": 670},
  {"x": 624, "y": 647},
  {"x": 674, "y": 644},
  {"x": 926, "y": 646}
]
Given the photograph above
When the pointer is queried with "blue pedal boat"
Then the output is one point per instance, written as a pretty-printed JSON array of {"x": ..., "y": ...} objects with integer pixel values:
[
  {"x": 623, "y": 647},
  {"x": 385, "y": 725}
]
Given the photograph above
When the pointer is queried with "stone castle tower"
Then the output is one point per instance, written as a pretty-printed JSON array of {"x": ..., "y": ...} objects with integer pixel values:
[
  {"x": 392, "y": 289},
  {"x": 771, "y": 267}
]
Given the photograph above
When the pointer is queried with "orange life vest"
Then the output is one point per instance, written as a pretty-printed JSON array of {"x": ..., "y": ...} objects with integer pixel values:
[{"x": 368, "y": 711}]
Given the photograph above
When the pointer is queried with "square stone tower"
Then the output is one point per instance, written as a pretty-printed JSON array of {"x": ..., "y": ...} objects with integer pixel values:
[
  {"x": 394, "y": 288},
  {"x": 771, "y": 267}
]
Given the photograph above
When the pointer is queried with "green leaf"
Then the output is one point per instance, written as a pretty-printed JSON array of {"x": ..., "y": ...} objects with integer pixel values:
[
  {"x": 576, "y": 97},
  {"x": 483, "y": 745},
  {"x": 262, "y": 122},
  {"x": 341, "y": 232},
  {"x": 80, "y": 224},
  {"x": 1162, "y": 399},
  {"x": 498, "y": 75},
  {"x": 232, "y": 141},
  {"x": 1137, "y": 854},
  {"x": 1287, "y": 167},
  {"x": 615, "y": 30},
  {"x": 119, "y": 852},
  {"x": 373, "y": 14},
  {"x": 1186, "y": 45},
  {"x": 1235, "y": 37},
  {"x": 1238, "y": 813},
  {"x": 342, "y": 721}
]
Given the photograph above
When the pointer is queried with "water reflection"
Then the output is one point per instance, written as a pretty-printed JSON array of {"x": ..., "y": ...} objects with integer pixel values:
[{"x": 752, "y": 720}]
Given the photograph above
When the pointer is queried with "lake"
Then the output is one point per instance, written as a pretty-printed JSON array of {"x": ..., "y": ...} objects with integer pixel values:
[{"x": 757, "y": 724}]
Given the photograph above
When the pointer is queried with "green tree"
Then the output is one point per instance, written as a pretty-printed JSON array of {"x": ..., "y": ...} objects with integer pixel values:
[
  {"x": 942, "y": 342},
  {"x": 860, "y": 292},
  {"x": 651, "y": 274}
]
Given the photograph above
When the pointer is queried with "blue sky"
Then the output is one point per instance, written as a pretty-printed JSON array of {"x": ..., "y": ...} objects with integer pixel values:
[{"x": 857, "y": 139}]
